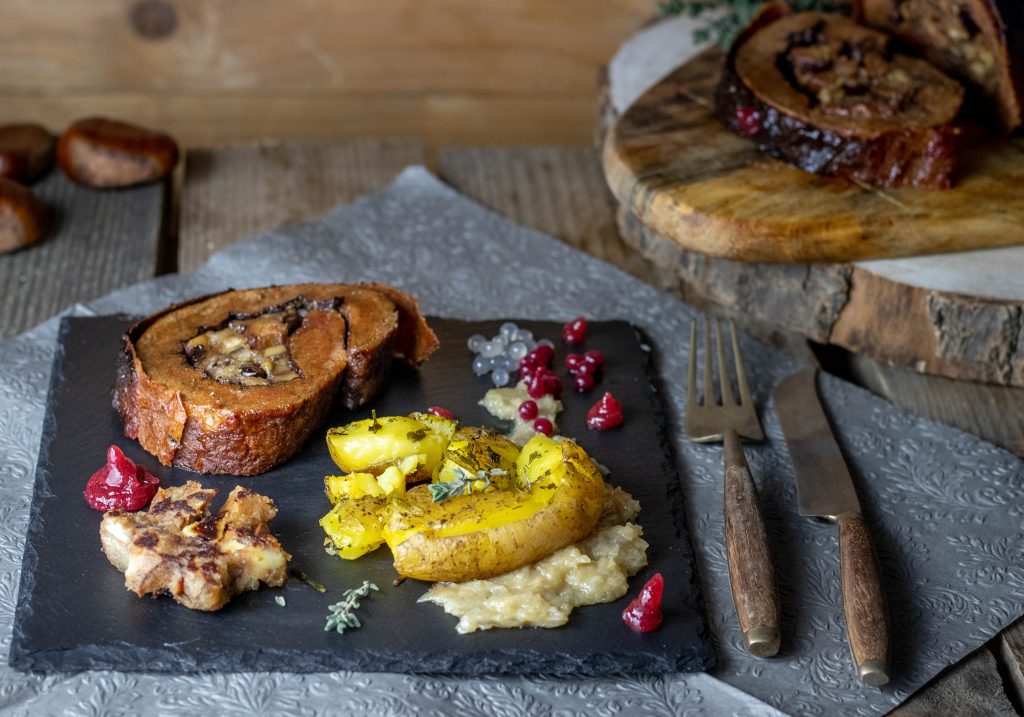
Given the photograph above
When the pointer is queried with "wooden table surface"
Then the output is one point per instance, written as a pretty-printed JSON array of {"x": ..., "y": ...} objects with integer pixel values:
[{"x": 108, "y": 240}]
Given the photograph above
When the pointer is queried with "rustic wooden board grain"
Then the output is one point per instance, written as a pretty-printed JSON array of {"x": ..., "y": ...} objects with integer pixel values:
[
  {"x": 101, "y": 240},
  {"x": 218, "y": 72},
  {"x": 685, "y": 176},
  {"x": 899, "y": 324},
  {"x": 233, "y": 192}
]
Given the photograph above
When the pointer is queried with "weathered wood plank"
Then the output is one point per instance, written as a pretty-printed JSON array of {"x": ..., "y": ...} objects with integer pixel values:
[
  {"x": 233, "y": 192},
  {"x": 196, "y": 46},
  {"x": 102, "y": 240},
  {"x": 994, "y": 413},
  {"x": 220, "y": 72},
  {"x": 442, "y": 118},
  {"x": 970, "y": 688},
  {"x": 1012, "y": 653}
]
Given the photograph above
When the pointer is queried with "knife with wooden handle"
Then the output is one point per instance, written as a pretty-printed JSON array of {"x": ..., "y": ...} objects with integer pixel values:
[{"x": 824, "y": 489}]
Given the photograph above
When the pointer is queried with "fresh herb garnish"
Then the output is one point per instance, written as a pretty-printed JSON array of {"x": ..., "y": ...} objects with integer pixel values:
[
  {"x": 462, "y": 483},
  {"x": 375, "y": 426},
  {"x": 341, "y": 616},
  {"x": 319, "y": 587},
  {"x": 731, "y": 16},
  {"x": 280, "y": 601}
]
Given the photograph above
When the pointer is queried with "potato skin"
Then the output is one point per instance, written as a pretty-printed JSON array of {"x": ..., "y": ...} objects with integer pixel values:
[{"x": 570, "y": 516}]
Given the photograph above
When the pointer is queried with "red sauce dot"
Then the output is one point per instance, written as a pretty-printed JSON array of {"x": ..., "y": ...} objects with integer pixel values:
[{"x": 644, "y": 613}]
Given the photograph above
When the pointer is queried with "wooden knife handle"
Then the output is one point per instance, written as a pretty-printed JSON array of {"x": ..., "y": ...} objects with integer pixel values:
[
  {"x": 751, "y": 572},
  {"x": 867, "y": 618}
]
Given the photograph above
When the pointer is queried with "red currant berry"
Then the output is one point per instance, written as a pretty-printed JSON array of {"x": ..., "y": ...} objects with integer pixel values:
[
  {"x": 535, "y": 388},
  {"x": 605, "y": 414},
  {"x": 584, "y": 382},
  {"x": 575, "y": 331},
  {"x": 543, "y": 425},
  {"x": 643, "y": 614},
  {"x": 552, "y": 384},
  {"x": 543, "y": 355},
  {"x": 572, "y": 362},
  {"x": 595, "y": 358},
  {"x": 587, "y": 369},
  {"x": 442, "y": 412},
  {"x": 749, "y": 120},
  {"x": 528, "y": 410}
]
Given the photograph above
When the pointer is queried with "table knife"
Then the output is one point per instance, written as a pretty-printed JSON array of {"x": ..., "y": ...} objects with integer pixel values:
[{"x": 824, "y": 489}]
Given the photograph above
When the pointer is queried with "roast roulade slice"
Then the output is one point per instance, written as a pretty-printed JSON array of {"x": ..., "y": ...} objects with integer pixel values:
[
  {"x": 833, "y": 98},
  {"x": 236, "y": 382},
  {"x": 978, "y": 41}
]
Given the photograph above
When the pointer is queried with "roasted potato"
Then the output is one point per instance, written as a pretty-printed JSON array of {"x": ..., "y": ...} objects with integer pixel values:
[
  {"x": 480, "y": 535},
  {"x": 473, "y": 449},
  {"x": 356, "y": 525},
  {"x": 372, "y": 445}
]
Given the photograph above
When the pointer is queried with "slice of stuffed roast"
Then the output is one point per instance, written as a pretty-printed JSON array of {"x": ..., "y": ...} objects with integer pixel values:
[
  {"x": 833, "y": 98},
  {"x": 236, "y": 382},
  {"x": 979, "y": 41}
]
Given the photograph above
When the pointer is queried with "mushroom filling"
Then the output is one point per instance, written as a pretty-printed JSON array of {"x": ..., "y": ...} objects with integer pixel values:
[
  {"x": 249, "y": 349},
  {"x": 849, "y": 78}
]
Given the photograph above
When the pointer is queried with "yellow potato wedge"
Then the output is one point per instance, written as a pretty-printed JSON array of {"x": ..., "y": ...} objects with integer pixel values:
[
  {"x": 480, "y": 535},
  {"x": 356, "y": 526},
  {"x": 374, "y": 444},
  {"x": 473, "y": 449}
]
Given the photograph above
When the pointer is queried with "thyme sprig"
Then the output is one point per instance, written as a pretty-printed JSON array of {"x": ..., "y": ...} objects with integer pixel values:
[
  {"x": 462, "y": 483},
  {"x": 341, "y": 616},
  {"x": 731, "y": 16}
]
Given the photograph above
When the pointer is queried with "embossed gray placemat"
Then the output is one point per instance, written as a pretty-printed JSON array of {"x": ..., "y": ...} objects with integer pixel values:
[{"x": 946, "y": 506}]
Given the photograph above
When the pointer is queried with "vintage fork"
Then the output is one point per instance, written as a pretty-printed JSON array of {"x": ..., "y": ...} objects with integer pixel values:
[{"x": 751, "y": 572}]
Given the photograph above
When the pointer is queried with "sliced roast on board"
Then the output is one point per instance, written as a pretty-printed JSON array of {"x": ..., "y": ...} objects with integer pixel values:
[
  {"x": 979, "y": 41},
  {"x": 830, "y": 96},
  {"x": 236, "y": 382}
]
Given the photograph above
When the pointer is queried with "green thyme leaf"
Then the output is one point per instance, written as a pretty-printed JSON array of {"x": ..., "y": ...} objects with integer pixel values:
[
  {"x": 341, "y": 615},
  {"x": 280, "y": 601}
]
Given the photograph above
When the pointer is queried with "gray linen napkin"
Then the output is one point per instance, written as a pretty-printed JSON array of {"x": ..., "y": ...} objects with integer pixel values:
[{"x": 946, "y": 506}]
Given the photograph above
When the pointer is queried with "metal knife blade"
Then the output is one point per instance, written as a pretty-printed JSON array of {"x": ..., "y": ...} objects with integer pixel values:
[{"x": 823, "y": 485}]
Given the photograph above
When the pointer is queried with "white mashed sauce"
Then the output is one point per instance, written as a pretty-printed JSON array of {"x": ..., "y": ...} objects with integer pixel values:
[
  {"x": 503, "y": 403},
  {"x": 544, "y": 594}
]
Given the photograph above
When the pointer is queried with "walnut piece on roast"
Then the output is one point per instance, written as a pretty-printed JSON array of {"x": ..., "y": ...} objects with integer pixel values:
[
  {"x": 200, "y": 559},
  {"x": 834, "y": 98}
]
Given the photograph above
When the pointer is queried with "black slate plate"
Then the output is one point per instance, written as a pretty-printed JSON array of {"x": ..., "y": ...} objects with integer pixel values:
[{"x": 74, "y": 612}]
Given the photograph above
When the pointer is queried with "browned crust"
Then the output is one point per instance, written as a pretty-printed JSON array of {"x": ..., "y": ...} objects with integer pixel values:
[
  {"x": 192, "y": 422},
  {"x": 415, "y": 341}
]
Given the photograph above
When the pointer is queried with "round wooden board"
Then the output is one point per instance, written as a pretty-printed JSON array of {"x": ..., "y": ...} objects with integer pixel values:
[{"x": 687, "y": 178}]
